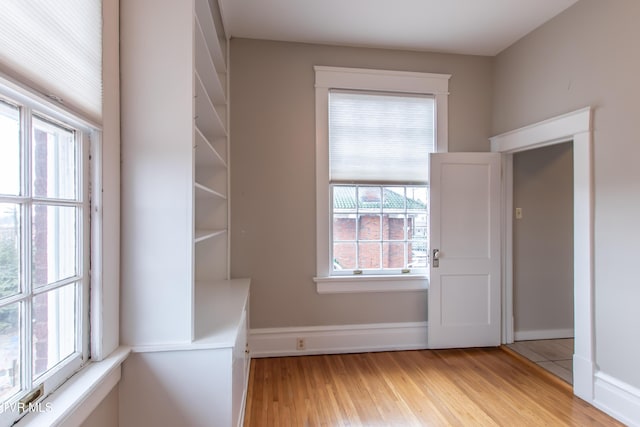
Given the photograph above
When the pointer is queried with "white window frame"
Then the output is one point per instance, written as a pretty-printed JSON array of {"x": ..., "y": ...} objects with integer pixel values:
[
  {"x": 82, "y": 393},
  {"x": 327, "y": 78},
  {"x": 88, "y": 135}
]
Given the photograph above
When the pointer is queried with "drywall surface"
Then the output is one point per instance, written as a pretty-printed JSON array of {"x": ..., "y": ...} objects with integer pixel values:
[{"x": 273, "y": 225}]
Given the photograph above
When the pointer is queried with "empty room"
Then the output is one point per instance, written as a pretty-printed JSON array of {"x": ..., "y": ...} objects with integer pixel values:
[{"x": 239, "y": 213}]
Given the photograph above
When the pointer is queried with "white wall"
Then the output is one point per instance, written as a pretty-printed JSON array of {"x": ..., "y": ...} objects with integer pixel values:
[
  {"x": 273, "y": 174},
  {"x": 588, "y": 55},
  {"x": 106, "y": 414}
]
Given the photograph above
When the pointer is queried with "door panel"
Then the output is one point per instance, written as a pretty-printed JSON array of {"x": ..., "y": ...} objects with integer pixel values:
[{"x": 464, "y": 285}]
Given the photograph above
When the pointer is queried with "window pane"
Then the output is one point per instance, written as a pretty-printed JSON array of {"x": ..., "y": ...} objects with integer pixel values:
[
  {"x": 417, "y": 253},
  {"x": 344, "y": 227},
  {"x": 394, "y": 199},
  {"x": 394, "y": 226},
  {"x": 369, "y": 255},
  {"x": 344, "y": 256},
  {"x": 344, "y": 198},
  {"x": 54, "y": 330},
  {"x": 10, "y": 351},
  {"x": 9, "y": 249},
  {"x": 416, "y": 198},
  {"x": 54, "y": 243},
  {"x": 9, "y": 149},
  {"x": 369, "y": 198},
  {"x": 393, "y": 255},
  {"x": 53, "y": 161},
  {"x": 369, "y": 227},
  {"x": 417, "y": 226}
]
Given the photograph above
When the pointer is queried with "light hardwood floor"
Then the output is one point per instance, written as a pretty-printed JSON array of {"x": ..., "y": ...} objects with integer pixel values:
[{"x": 472, "y": 387}]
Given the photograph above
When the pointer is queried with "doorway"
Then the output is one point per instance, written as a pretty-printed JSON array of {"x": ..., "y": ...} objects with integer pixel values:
[{"x": 543, "y": 257}]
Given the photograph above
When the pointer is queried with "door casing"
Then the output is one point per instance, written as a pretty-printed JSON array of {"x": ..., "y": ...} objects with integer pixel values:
[{"x": 577, "y": 127}]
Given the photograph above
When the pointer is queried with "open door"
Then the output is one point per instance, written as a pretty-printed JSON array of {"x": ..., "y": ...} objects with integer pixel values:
[{"x": 464, "y": 284}]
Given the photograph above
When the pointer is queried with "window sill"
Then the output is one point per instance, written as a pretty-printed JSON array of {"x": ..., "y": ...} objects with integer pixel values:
[
  {"x": 74, "y": 401},
  {"x": 358, "y": 284}
]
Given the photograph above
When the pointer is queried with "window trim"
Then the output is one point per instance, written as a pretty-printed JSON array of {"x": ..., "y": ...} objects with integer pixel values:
[{"x": 327, "y": 78}]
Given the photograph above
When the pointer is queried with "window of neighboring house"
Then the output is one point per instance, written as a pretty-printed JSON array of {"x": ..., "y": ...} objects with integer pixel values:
[
  {"x": 375, "y": 131},
  {"x": 44, "y": 252}
]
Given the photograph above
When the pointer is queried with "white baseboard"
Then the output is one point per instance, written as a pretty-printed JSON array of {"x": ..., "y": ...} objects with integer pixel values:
[
  {"x": 270, "y": 342},
  {"x": 618, "y": 399},
  {"x": 543, "y": 334}
]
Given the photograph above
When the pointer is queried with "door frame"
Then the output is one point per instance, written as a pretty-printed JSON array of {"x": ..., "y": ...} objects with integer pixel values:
[{"x": 575, "y": 126}]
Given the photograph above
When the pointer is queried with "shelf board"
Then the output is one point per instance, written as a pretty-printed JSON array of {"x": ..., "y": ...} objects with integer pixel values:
[
  {"x": 208, "y": 117},
  {"x": 206, "y": 154},
  {"x": 202, "y": 235},
  {"x": 204, "y": 191},
  {"x": 212, "y": 76},
  {"x": 219, "y": 307},
  {"x": 204, "y": 14}
]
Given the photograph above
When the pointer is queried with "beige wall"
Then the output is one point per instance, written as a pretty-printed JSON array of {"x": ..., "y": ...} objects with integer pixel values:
[
  {"x": 543, "y": 239},
  {"x": 588, "y": 55},
  {"x": 106, "y": 413},
  {"x": 273, "y": 173}
]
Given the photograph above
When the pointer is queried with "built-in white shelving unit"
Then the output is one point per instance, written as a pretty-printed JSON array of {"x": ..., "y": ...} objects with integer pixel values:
[{"x": 177, "y": 298}]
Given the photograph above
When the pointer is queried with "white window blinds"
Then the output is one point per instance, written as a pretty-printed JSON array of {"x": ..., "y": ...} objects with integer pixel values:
[
  {"x": 55, "y": 46},
  {"x": 380, "y": 137}
]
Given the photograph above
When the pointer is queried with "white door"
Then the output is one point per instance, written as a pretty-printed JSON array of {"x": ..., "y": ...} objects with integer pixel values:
[{"x": 464, "y": 283}]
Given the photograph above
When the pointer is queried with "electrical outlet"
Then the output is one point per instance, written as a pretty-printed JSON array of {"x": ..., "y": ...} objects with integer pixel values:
[{"x": 300, "y": 344}]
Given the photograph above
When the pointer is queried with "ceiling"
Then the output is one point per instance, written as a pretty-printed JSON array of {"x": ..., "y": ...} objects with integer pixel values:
[{"x": 476, "y": 27}]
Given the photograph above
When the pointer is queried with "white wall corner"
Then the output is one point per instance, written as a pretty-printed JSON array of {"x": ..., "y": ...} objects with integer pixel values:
[
  {"x": 273, "y": 342},
  {"x": 618, "y": 399}
]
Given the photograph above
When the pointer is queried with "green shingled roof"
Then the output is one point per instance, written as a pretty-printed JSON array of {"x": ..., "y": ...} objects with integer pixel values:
[{"x": 345, "y": 198}]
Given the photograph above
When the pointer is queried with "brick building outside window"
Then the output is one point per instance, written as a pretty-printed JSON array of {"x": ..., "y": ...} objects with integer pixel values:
[{"x": 378, "y": 228}]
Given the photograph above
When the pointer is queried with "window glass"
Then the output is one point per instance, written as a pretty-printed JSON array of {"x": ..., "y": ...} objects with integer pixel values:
[
  {"x": 9, "y": 149},
  {"x": 54, "y": 328},
  {"x": 42, "y": 230},
  {"x": 53, "y": 164},
  {"x": 384, "y": 229},
  {"x": 10, "y": 378},
  {"x": 9, "y": 249},
  {"x": 54, "y": 247}
]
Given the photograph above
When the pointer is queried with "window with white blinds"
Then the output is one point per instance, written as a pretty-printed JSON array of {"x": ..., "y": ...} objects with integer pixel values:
[
  {"x": 55, "y": 47},
  {"x": 380, "y": 137},
  {"x": 375, "y": 130}
]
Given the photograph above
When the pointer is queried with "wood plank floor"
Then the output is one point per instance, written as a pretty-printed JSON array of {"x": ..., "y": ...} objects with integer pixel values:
[{"x": 472, "y": 387}]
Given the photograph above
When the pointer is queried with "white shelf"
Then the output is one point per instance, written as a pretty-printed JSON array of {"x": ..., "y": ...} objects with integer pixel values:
[
  {"x": 202, "y": 235},
  {"x": 219, "y": 308},
  {"x": 209, "y": 119},
  {"x": 203, "y": 11},
  {"x": 204, "y": 191},
  {"x": 206, "y": 154},
  {"x": 212, "y": 76}
]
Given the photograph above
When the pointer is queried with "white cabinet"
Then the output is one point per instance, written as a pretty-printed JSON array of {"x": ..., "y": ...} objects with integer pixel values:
[
  {"x": 196, "y": 385},
  {"x": 177, "y": 301}
]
